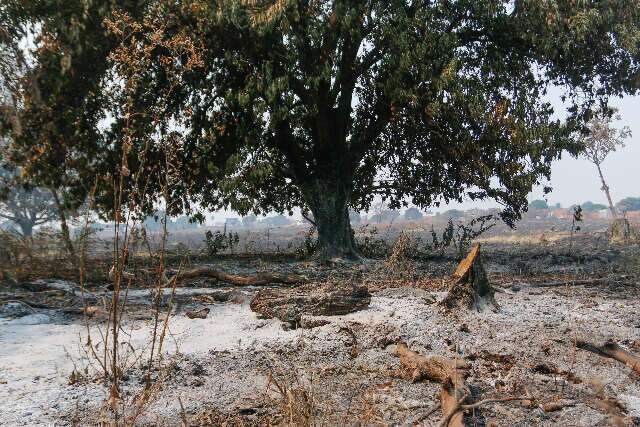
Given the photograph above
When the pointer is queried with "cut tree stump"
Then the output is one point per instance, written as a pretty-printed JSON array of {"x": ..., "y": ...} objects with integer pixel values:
[
  {"x": 471, "y": 288},
  {"x": 612, "y": 350},
  {"x": 620, "y": 231},
  {"x": 259, "y": 279},
  {"x": 289, "y": 305},
  {"x": 449, "y": 373}
]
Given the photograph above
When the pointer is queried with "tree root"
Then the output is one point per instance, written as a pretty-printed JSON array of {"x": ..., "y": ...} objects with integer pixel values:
[
  {"x": 612, "y": 350},
  {"x": 450, "y": 373}
]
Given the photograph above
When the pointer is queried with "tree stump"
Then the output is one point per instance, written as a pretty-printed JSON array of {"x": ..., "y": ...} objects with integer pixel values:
[
  {"x": 471, "y": 288},
  {"x": 289, "y": 305},
  {"x": 620, "y": 231}
]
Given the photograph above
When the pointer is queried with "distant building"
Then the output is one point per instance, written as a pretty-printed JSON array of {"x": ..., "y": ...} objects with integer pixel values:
[
  {"x": 602, "y": 213},
  {"x": 560, "y": 213}
]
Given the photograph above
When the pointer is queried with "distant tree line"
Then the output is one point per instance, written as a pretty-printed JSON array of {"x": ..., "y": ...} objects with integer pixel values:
[{"x": 627, "y": 204}]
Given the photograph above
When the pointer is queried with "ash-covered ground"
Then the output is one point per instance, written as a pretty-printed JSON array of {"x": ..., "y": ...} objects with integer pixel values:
[{"x": 235, "y": 368}]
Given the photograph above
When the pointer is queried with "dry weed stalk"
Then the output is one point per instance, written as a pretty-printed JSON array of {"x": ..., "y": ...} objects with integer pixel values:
[{"x": 113, "y": 355}]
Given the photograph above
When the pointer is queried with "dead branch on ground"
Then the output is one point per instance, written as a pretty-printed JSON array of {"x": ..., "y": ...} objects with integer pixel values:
[
  {"x": 612, "y": 350},
  {"x": 451, "y": 373},
  {"x": 259, "y": 279}
]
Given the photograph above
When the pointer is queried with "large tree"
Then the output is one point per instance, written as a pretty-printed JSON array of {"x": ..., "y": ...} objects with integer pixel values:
[
  {"x": 59, "y": 100},
  {"x": 272, "y": 105},
  {"x": 325, "y": 104},
  {"x": 23, "y": 205}
]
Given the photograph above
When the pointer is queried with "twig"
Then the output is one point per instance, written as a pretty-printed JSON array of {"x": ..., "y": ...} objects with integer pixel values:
[
  {"x": 183, "y": 414},
  {"x": 420, "y": 417},
  {"x": 577, "y": 282},
  {"x": 492, "y": 400},
  {"x": 462, "y": 407}
]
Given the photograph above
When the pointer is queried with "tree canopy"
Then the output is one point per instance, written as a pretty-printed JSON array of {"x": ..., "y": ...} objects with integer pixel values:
[
  {"x": 412, "y": 214},
  {"x": 268, "y": 106},
  {"x": 538, "y": 204},
  {"x": 23, "y": 205},
  {"x": 629, "y": 204}
]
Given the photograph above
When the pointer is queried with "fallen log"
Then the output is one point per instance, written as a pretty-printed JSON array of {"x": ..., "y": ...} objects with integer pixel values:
[
  {"x": 612, "y": 350},
  {"x": 259, "y": 279},
  {"x": 290, "y": 304},
  {"x": 471, "y": 288},
  {"x": 450, "y": 373}
]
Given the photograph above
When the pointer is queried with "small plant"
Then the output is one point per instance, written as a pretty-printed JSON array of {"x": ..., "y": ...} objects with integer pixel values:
[
  {"x": 370, "y": 244},
  {"x": 399, "y": 263},
  {"x": 576, "y": 218},
  {"x": 218, "y": 242},
  {"x": 309, "y": 244},
  {"x": 459, "y": 235}
]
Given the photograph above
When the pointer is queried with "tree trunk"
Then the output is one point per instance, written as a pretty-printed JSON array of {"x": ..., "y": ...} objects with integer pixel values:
[
  {"x": 26, "y": 228},
  {"x": 329, "y": 203},
  {"x": 605, "y": 188},
  {"x": 66, "y": 235}
]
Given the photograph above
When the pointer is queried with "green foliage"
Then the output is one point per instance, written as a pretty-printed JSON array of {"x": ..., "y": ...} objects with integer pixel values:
[
  {"x": 459, "y": 236},
  {"x": 220, "y": 241},
  {"x": 309, "y": 244},
  {"x": 629, "y": 204},
  {"x": 370, "y": 244},
  {"x": 264, "y": 106},
  {"x": 538, "y": 204}
]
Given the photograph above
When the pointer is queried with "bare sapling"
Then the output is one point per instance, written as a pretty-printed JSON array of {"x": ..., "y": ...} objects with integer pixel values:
[{"x": 601, "y": 140}]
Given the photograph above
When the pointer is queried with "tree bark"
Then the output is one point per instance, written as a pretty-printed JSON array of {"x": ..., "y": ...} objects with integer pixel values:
[
  {"x": 605, "y": 188},
  {"x": 329, "y": 203},
  {"x": 471, "y": 288}
]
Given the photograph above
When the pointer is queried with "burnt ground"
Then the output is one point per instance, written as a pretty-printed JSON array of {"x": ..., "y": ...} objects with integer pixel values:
[{"x": 235, "y": 369}]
